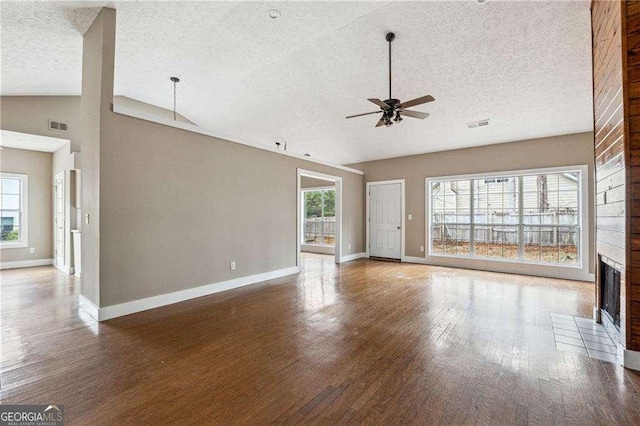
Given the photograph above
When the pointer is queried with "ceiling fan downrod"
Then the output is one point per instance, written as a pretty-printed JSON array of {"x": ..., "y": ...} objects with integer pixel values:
[
  {"x": 390, "y": 37},
  {"x": 393, "y": 109}
]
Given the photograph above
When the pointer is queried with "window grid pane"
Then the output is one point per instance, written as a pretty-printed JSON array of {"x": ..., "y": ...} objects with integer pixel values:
[
  {"x": 10, "y": 224},
  {"x": 548, "y": 222}
]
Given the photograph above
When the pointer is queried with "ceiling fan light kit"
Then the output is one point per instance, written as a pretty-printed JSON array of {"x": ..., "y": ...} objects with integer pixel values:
[{"x": 393, "y": 109}]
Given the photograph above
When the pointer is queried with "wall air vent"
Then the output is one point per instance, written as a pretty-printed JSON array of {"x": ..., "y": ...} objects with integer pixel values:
[
  {"x": 58, "y": 126},
  {"x": 480, "y": 123}
]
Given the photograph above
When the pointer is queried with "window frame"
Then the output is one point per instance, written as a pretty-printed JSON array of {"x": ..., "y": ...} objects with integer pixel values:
[
  {"x": 583, "y": 217},
  {"x": 322, "y": 189},
  {"x": 24, "y": 211}
]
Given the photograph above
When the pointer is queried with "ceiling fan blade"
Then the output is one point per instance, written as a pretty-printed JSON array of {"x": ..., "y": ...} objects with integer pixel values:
[
  {"x": 380, "y": 123},
  {"x": 414, "y": 114},
  {"x": 380, "y": 103},
  {"x": 417, "y": 101},
  {"x": 360, "y": 115}
]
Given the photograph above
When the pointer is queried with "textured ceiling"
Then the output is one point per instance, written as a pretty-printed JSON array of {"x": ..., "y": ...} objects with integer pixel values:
[{"x": 526, "y": 66}]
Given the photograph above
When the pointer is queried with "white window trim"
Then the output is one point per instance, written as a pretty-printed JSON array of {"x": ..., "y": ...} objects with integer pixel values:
[
  {"x": 24, "y": 218},
  {"x": 337, "y": 180},
  {"x": 579, "y": 271},
  {"x": 315, "y": 189}
]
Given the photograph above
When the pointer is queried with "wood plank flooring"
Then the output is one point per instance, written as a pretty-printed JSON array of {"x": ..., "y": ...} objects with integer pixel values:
[{"x": 363, "y": 342}]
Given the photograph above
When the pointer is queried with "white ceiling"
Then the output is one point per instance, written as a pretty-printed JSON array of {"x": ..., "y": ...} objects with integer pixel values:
[
  {"x": 19, "y": 140},
  {"x": 526, "y": 66}
]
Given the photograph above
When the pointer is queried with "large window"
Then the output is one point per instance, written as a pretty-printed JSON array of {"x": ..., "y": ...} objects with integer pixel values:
[
  {"x": 319, "y": 217},
  {"x": 532, "y": 217},
  {"x": 13, "y": 226}
]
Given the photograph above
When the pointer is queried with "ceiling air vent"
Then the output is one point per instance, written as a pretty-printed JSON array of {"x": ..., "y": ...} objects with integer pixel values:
[
  {"x": 480, "y": 123},
  {"x": 58, "y": 126}
]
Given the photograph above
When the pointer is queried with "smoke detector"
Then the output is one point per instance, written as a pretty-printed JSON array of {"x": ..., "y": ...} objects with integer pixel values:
[
  {"x": 480, "y": 123},
  {"x": 58, "y": 126}
]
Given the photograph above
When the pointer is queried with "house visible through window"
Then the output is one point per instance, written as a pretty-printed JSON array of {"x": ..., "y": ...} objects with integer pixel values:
[
  {"x": 530, "y": 218},
  {"x": 12, "y": 210},
  {"x": 319, "y": 217}
]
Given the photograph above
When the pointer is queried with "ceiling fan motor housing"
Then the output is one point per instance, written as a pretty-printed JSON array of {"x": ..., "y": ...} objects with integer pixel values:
[{"x": 392, "y": 103}]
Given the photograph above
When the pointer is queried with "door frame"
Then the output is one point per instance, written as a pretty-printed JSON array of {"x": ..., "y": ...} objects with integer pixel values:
[
  {"x": 300, "y": 205},
  {"x": 62, "y": 177},
  {"x": 402, "y": 209}
]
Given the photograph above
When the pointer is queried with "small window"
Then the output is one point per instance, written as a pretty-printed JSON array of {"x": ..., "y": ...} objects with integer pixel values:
[{"x": 13, "y": 218}]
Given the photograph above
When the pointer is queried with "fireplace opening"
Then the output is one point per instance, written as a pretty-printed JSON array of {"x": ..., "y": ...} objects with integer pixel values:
[{"x": 610, "y": 293}]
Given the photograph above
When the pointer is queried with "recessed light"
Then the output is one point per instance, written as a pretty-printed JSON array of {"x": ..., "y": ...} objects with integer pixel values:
[
  {"x": 274, "y": 14},
  {"x": 43, "y": 15},
  {"x": 307, "y": 154},
  {"x": 482, "y": 1}
]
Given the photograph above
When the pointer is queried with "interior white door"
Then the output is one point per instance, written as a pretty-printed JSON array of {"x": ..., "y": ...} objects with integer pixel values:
[
  {"x": 385, "y": 220},
  {"x": 59, "y": 219}
]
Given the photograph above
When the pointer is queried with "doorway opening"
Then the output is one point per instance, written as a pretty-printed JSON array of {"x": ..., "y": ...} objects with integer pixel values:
[
  {"x": 319, "y": 217},
  {"x": 319, "y": 214},
  {"x": 59, "y": 219}
]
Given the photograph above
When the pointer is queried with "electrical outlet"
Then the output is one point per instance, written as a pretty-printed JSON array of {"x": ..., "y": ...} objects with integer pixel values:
[
  {"x": 349, "y": 246},
  {"x": 32, "y": 250},
  {"x": 409, "y": 217},
  {"x": 233, "y": 266},
  {"x": 421, "y": 248}
]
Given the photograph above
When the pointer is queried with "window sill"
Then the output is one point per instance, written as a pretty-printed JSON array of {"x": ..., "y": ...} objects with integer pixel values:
[
  {"x": 10, "y": 246},
  {"x": 510, "y": 261}
]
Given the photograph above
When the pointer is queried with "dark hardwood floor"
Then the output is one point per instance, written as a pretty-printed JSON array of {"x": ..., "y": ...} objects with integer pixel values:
[{"x": 365, "y": 342}]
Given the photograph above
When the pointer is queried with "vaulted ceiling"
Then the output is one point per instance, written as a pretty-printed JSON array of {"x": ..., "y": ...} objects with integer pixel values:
[{"x": 525, "y": 66}]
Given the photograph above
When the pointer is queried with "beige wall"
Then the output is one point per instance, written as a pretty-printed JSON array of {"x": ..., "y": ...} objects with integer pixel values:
[
  {"x": 143, "y": 107},
  {"x": 309, "y": 182},
  {"x": 31, "y": 114},
  {"x": 176, "y": 207},
  {"x": 566, "y": 150},
  {"x": 97, "y": 94},
  {"x": 37, "y": 166}
]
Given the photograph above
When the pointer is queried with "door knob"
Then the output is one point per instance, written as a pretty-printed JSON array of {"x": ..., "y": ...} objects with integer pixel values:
[{"x": 398, "y": 226}]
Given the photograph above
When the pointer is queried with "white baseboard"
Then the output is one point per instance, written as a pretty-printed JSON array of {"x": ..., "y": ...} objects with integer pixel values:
[
  {"x": 64, "y": 268},
  {"x": 114, "y": 311},
  {"x": 26, "y": 263},
  {"x": 89, "y": 307},
  {"x": 413, "y": 259},
  {"x": 630, "y": 359},
  {"x": 351, "y": 257},
  {"x": 310, "y": 248}
]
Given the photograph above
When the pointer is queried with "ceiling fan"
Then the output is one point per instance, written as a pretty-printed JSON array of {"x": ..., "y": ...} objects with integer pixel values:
[{"x": 393, "y": 109}]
